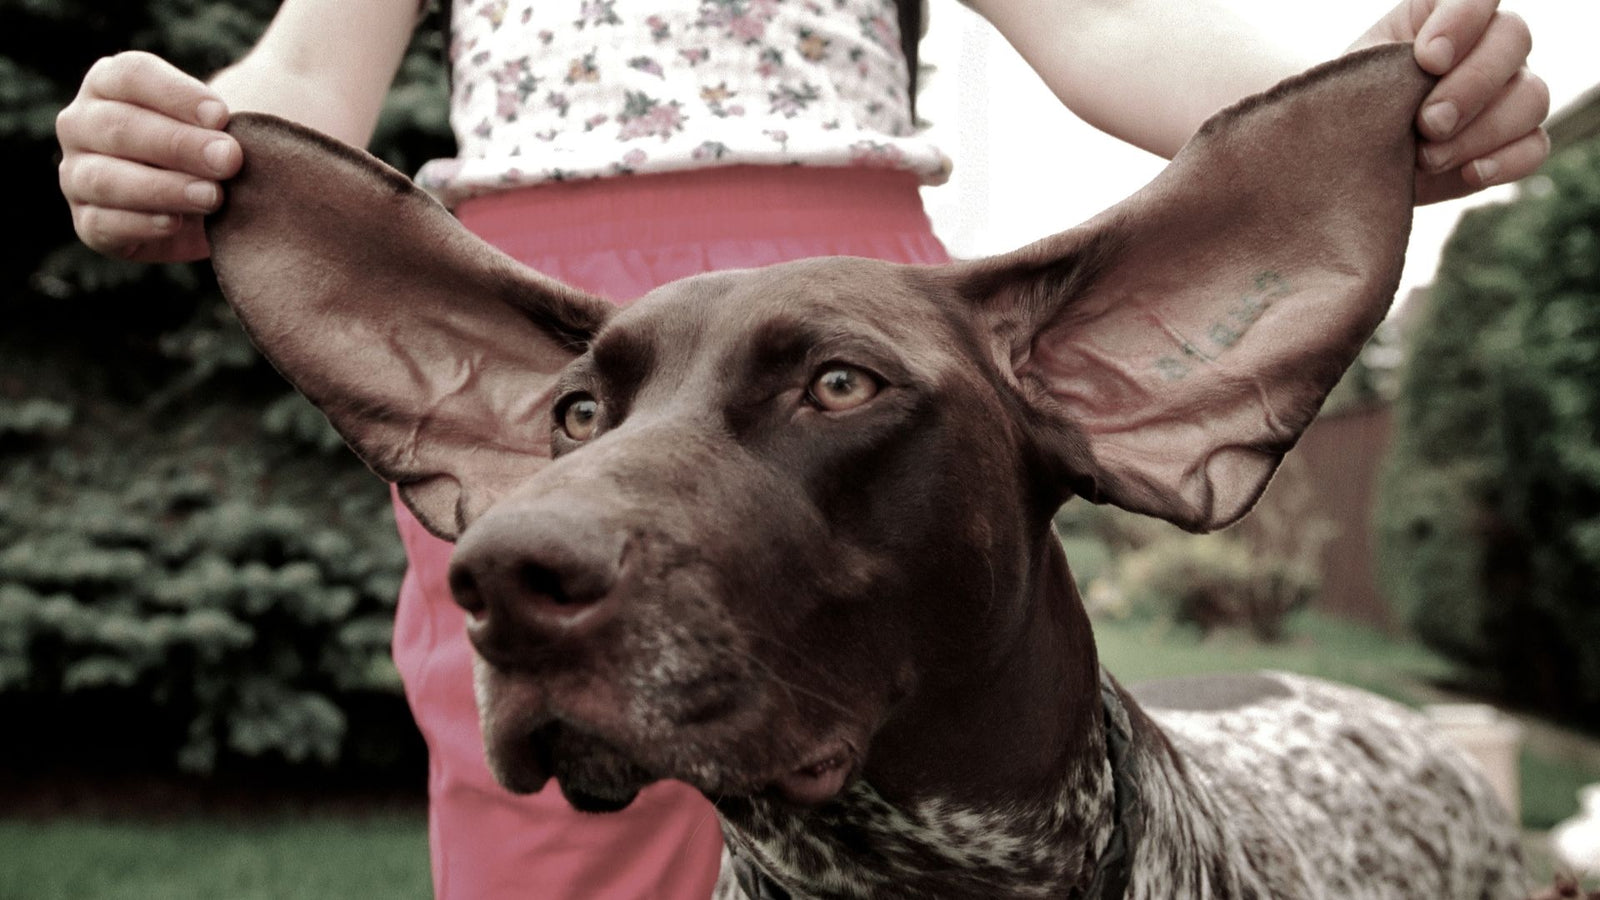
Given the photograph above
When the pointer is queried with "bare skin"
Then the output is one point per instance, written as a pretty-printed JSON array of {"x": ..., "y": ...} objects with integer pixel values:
[
  {"x": 143, "y": 154},
  {"x": 1116, "y": 64}
]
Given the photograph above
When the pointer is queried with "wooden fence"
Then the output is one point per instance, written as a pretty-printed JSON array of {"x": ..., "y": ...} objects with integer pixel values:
[{"x": 1321, "y": 503}]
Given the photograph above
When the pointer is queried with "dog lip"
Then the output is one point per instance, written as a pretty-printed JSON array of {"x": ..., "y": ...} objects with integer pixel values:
[
  {"x": 821, "y": 778},
  {"x": 588, "y": 801},
  {"x": 514, "y": 713},
  {"x": 521, "y": 764}
]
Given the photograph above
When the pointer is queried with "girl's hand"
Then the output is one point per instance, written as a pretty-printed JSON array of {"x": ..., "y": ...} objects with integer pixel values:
[
  {"x": 1481, "y": 124},
  {"x": 143, "y": 158}
]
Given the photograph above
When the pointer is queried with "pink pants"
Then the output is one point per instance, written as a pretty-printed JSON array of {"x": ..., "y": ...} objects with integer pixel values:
[{"x": 618, "y": 238}]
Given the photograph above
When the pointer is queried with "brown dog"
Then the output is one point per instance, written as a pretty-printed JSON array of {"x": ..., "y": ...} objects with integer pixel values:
[{"x": 785, "y": 535}]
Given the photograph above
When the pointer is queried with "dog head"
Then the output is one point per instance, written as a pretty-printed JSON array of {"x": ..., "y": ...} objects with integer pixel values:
[{"x": 733, "y": 533}]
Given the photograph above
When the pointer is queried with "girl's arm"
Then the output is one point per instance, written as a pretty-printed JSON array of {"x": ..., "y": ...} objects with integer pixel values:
[
  {"x": 1151, "y": 71},
  {"x": 324, "y": 63},
  {"x": 142, "y": 151}
]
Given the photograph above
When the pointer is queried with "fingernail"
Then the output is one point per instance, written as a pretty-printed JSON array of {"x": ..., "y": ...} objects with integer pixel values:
[
  {"x": 162, "y": 222},
  {"x": 211, "y": 113},
  {"x": 1444, "y": 50},
  {"x": 1441, "y": 118},
  {"x": 1486, "y": 170},
  {"x": 217, "y": 154},
  {"x": 1435, "y": 157},
  {"x": 202, "y": 194}
]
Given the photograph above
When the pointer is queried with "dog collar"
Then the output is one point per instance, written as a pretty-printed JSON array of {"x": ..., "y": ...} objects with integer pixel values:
[{"x": 1114, "y": 869}]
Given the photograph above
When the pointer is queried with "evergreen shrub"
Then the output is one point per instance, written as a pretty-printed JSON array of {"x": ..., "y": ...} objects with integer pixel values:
[
  {"x": 194, "y": 573},
  {"x": 1490, "y": 512}
]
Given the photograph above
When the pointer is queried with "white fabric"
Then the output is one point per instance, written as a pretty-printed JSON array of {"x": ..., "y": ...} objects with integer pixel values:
[{"x": 563, "y": 89}]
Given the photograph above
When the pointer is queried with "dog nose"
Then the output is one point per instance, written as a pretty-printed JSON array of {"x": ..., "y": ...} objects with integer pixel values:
[{"x": 527, "y": 577}]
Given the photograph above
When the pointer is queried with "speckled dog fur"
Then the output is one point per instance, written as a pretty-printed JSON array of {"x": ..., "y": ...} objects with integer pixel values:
[
  {"x": 1320, "y": 790},
  {"x": 1288, "y": 787}
]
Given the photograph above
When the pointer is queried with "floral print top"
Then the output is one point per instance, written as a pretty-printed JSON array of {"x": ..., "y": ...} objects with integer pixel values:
[{"x": 560, "y": 89}]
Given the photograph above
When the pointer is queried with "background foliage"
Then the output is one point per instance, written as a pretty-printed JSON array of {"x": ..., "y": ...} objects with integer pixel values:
[
  {"x": 1491, "y": 510},
  {"x": 192, "y": 569}
]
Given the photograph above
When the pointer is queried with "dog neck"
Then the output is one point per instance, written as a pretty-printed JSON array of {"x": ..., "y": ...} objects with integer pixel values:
[{"x": 1025, "y": 799}]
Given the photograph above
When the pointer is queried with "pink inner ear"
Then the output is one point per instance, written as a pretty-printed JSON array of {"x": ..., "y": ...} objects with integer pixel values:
[
  {"x": 433, "y": 354},
  {"x": 1228, "y": 296},
  {"x": 1194, "y": 403}
]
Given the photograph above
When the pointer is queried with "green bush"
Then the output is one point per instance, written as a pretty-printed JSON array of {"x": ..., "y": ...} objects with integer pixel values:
[
  {"x": 1130, "y": 566},
  {"x": 193, "y": 572},
  {"x": 1490, "y": 512},
  {"x": 1215, "y": 581},
  {"x": 180, "y": 578}
]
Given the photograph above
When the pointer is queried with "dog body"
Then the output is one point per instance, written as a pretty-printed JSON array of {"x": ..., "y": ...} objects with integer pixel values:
[
  {"x": 1269, "y": 785},
  {"x": 1325, "y": 791},
  {"x": 785, "y": 534}
]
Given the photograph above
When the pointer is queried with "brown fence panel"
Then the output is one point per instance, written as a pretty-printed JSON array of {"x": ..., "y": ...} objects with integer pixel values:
[{"x": 1321, "y": 503}]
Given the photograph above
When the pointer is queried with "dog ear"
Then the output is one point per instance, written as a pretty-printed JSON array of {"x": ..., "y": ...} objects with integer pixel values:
[
  {"x": 432, "y": 353},
  {"x": 1173, "y": 348}
]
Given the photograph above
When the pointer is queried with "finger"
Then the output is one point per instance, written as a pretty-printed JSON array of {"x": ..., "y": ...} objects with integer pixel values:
[
  {"x": 95, "y": 180},
  {"x": 1515, "y": 160},
  {"x": 1515, "y": 113},
  {"x": 114, "y": 231},
  {"x": 127, "y": 131},
  {"x": 1478, "y": 79},
  {"x": 1450, "y": 30},
  {"x": 1518, "y": 159},
  {"x": 147, "y": 80}
]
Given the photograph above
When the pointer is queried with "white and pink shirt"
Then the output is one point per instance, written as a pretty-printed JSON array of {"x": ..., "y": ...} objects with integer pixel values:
[{"x": 563, "y": 89}]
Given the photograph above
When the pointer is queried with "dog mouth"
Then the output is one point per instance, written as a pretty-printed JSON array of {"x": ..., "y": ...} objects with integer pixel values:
[
  {"x": 596, "y": 776},
  {"x": 601, "y": 763},
  {"x": 821, "y": 779},
  {"x": 593, "y": 776}
]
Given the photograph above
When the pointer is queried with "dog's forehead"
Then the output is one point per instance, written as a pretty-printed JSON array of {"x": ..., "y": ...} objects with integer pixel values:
[{"x": 895, "y": 304}]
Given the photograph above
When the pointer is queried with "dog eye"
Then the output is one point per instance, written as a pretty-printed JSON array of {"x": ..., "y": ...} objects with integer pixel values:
[
  {"x": 579, "y": 413},
  {"x": 840, "y": 387}
]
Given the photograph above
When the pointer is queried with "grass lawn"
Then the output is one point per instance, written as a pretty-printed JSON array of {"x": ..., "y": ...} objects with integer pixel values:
[
  {"x": 216, "y": 858},
  {"x": 1315, "y": 645}
]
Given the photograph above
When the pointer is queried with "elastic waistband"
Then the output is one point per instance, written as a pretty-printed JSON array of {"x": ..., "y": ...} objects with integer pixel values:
[{"x": 700, "y": 206}]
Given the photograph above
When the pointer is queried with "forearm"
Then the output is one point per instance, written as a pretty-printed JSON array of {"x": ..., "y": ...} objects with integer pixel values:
[
  {"x": 1146, "y": 71},
  {"x": 324, "y": 63}
]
